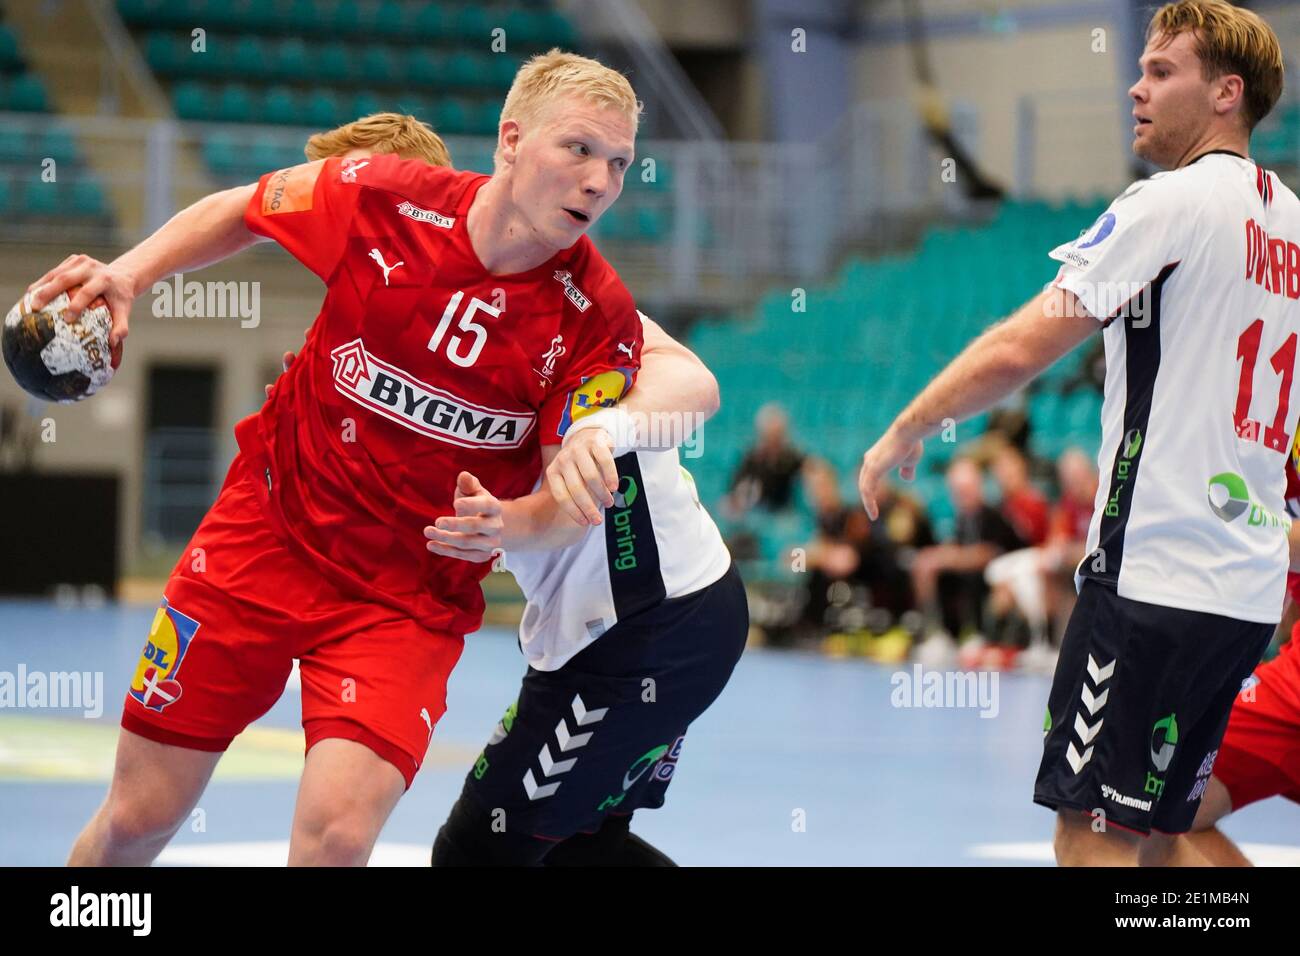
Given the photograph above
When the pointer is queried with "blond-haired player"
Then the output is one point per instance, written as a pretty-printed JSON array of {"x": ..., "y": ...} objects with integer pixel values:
[
  {"x": 468, "y": 323},
  {"x": 1194, "y": 274}
]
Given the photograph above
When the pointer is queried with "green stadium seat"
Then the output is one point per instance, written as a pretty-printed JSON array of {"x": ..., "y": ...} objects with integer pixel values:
[
  {"x": 26, "y": 94},
  {"x": 249, "y": 58},
  {"x": 558, "y": 31},
  {"x": 290, "y": 59},
  {"x": 322, "y": 110},
  {"x": 221, "y": 153},
  {"x": 15, "y": 146},
  {"x": 451, "y": 115},
  {"x": 235, "y": 104},
  {"x": 281, "y": 107},
  {"x": 11, "y": 60},
  {"x": 474, "y": 24},
  {"x": 391, "y": 19},
  {"x": 86, "y": 198},
  {"x": 266, "y": 155},
  {"x": 463, "y": 71},
  {"x": 422, "y": 67},
  {"x": 192, "y": 101},
  {"x": 139, "y": 11},
  {"x": 340, "y": 18},
  {"x": 502, "y": 69},
  {"x": 40, "y": 198},
  {"x": 486, "y": 116},
  {"x": 366, "y": 102},
  {"x": 332, "y": 62},
  {"x": 523, "y": 28},
  {"x": 431, "y": 23},
  {"x": 58, "y": 143},
  {"x": 293, "y": 16},
  {"x": 164, "y": 52},
  {"x": 378, "y": 65}
]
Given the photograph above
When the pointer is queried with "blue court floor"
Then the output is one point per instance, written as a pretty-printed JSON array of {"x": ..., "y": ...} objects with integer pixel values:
[{"x": 804, "y": 760}]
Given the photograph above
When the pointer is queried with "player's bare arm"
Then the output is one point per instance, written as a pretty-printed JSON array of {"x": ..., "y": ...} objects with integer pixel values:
[
  {"x": 672, "y": 379},
  {"x": 680, "y": 392},
  {"x": 1003, "y": 359},
  {"x": 208, "y": 231}
]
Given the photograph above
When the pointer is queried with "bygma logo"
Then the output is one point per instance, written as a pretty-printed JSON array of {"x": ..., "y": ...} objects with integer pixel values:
[
  {"x": 623, "y": 537},
  {"x": 1229, "y": 498}
]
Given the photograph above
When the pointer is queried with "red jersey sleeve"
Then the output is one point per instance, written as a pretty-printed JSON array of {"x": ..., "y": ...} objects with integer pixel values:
[
  {"x": 302, "y": 209},
  {"x": 308, "y": 209},
  {"x": 604, "y": 359}
]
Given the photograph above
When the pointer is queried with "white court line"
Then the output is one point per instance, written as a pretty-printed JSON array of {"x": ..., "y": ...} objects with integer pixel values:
[
  {"x": 1261, "y": 854},
  {"x": 276, "y": 853}
]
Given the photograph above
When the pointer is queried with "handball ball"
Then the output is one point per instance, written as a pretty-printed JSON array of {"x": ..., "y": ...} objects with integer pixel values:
[{"x": 54, "y": 359}]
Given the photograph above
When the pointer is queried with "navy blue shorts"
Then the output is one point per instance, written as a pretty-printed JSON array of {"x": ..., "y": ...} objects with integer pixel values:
[
  {"x": 603, "y": 734},
  {"x": 1138, "y": 706}
]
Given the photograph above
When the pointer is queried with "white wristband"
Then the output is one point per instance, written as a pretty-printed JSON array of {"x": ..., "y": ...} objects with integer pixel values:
[{"x": 616, "y": 422}]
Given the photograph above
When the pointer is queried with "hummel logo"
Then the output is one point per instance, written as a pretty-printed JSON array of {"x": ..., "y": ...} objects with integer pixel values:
[{"x": 374, "y": 254}]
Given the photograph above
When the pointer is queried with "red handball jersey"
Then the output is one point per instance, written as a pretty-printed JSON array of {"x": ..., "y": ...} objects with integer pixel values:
[{"x": 421, "y": 364}]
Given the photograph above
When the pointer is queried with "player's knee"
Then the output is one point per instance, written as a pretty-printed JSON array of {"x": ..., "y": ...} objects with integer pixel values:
[
  {"x": 1073, "y": 839},
  {"x": 137, "y": 821},
  {"x": 342, "y": 840}
]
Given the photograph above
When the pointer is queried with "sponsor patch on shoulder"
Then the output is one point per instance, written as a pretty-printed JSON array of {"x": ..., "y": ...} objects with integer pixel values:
[
  {"x": 413, "y": 211},
  {"x": 572, "y": 292},
  {"x": 292, "y": 189},
  {"x": 1067, "y": 252}
]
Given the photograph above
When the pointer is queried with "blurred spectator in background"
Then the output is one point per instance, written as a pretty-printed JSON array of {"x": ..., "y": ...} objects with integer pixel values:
[
  {"x": 904, "y": 522},
  {"x": 1068, "y": 534},
  {"x": 1023, "y": 505},
  {"x": 1031, "y": 587},
  {"x": 949, "y": 578},
  {"x": 767, "y": 473},
  {"x": 849, "y": 551}
]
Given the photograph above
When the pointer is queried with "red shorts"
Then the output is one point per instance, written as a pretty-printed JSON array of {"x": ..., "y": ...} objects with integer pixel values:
[
  {"x": 1260, "y": 753},
  {"x": 240, "y": 607}
]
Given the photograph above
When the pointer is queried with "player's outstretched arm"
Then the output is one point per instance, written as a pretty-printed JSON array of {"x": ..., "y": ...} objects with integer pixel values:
[
  {"x": 210, "y": 230},
  {"x": 484, "y": 526},
  {"x": 1003, "y": 359},
  {"x": 674, "y": 394}
]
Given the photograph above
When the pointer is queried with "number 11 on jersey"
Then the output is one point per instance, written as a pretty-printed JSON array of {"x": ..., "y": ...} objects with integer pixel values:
[{"x": 1283, "y": 363}]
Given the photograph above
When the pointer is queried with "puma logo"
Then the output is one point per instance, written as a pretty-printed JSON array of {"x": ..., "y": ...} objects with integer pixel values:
[{"x": 374, "y": 254}]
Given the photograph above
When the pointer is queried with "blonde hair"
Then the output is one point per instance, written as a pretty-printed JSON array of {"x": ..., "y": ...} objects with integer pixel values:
[
  {"x": 556, "y": 73},
  {"x": 383, "y": 133},
  {"x": 1229, "y": 40}
]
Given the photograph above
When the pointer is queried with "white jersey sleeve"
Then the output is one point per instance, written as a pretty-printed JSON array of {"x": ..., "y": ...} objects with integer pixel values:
[{"x": 1143, "y": 233}]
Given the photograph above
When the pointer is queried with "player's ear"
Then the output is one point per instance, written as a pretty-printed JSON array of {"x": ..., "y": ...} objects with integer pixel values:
[{"x": 508, "y": 139}]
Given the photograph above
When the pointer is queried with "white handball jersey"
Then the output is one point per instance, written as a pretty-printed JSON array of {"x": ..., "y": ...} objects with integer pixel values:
[
  {"x": 1195, "y": 274},
  {"x": 656, "y": 542}
]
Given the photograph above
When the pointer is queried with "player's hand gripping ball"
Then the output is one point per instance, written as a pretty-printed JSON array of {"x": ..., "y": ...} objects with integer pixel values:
[{"x": 54, "y": 359}]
